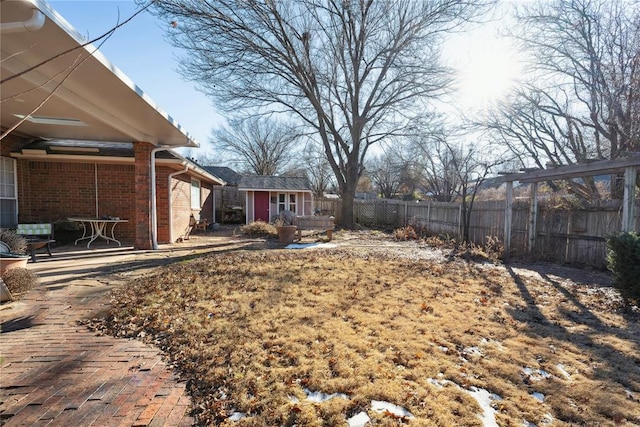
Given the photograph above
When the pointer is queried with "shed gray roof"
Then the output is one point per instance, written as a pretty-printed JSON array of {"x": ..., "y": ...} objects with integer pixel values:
[
  {"x": 229, "y": 176},
  {"x": 262, "y": 182}
]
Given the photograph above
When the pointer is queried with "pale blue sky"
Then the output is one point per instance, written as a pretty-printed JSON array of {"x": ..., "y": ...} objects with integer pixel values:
[
  {"x": 485, "y": 65},
  {"x": 141, "y": 52}
]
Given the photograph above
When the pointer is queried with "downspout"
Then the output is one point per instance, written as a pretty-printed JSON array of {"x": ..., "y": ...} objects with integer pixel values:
[
  {"x": 32, "y": 24},
  {"x": 95, "y": 180},
  {"x": 171, "y": 175},
  {"x": 213, "y": 192},
  {"x": 154, "y": 210}
]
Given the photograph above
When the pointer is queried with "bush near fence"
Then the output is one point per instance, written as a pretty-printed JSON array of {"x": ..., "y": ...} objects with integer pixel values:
[{"x": 573, "y": 235}]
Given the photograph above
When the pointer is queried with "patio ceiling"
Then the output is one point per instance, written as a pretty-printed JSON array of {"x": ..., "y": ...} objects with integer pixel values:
[{"x": 96, "y": 101}]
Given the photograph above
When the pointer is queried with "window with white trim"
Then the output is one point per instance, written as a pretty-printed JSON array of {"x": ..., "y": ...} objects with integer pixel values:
[
  {"x": 195, "y": 194},
  {"x": 287, "y": 202},
  {"x": 8, "y": 193}
]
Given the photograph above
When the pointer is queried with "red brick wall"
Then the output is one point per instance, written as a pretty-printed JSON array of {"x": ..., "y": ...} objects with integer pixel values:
[
  {"x": 53, "y": 191},
  {"x": 181, "y": 204},
  {"x": 142, "y": 153}
]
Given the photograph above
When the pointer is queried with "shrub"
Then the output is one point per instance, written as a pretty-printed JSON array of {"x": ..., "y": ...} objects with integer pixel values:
[
  {"x": 258, "y": 229},
  {"x": 19, "y": 281},
  {"x": 623, "y": 260},
  {"x": 405, "y": 233},
  {"x": 17, "y": 244}
]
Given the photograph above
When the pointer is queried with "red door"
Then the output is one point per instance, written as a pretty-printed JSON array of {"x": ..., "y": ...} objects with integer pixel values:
[{"x": 261, "y": 200}]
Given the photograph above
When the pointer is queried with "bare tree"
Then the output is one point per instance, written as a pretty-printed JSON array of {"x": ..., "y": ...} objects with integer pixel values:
[
  {"x": 471, "y": 169},
  {"x": 317, "y": 170},
  {"x": 352, "y": 71},
  {"x": 257, "y": 145},
  {"x": 384, "y": 171},
  {"x": 583, "y": 101},
  {"x": 433, "y": 160},
  {"x": 539, "y": 138}
]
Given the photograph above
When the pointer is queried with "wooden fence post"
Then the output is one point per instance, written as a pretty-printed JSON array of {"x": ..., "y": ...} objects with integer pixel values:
[
  {"x": 629, "y": 204},
  {"x": 406, "y": 213},
  {"x": 508, "y": 216},
  {"x": 460, "y": 222},
  {"x": 533, "y": 217}
]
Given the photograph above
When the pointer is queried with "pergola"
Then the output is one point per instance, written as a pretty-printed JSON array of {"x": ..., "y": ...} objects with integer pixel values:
[{"x": 627, "y": 165}]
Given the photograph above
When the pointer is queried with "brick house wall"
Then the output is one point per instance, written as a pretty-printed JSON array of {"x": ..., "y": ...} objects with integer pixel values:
[
  {"x": 181, "y": 205},
  {"x": 69, "y": 190},
  {"x": 51, "y": 191}
]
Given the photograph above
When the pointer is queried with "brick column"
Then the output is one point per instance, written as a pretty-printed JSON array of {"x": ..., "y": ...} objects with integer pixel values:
[{"x": 142, "y": 151}]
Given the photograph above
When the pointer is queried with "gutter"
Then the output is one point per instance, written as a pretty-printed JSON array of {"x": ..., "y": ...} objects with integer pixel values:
[{"x": 32, "y": 24}]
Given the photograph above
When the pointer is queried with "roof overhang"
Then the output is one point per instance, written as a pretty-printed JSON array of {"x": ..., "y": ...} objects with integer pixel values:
[
  {"x": 93, "y": 152},
  {"x": 90, "y": 98},
  {"x": 278, "y": 190}
]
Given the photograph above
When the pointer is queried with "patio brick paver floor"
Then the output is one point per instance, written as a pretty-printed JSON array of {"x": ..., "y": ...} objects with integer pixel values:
[{"x": 56, "y": 372}]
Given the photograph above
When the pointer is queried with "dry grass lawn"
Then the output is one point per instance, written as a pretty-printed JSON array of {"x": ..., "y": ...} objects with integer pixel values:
[{"x": 254, "y": 332}]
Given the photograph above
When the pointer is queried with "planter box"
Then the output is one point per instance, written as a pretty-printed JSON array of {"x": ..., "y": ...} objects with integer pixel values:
[
  {"x": 286, "y": 233},
  {"x": 9, "y": 261}
]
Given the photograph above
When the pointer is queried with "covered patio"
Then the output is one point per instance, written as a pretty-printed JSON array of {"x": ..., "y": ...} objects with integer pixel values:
[{"x": 55, "y": 86}]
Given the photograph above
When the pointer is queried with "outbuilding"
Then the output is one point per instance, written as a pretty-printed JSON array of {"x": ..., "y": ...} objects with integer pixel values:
[{"x": 268, "y": 196}]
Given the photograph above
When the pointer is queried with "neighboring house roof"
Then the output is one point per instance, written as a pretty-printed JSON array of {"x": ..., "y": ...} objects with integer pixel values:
[
  {"x": 230, "y": 176},
  {"x": 96, "y": 101},
  {"x": 271, "y": 183},
  {"x": 105, "y": 152}
]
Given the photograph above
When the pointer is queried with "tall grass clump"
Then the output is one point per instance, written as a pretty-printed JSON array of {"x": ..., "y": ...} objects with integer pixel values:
[
  {"x": 259, "y": 229},
  {"x": 623, "y": 259},
  {"x": 19, "y": 281},
  {"x": 17, "y": 244}
]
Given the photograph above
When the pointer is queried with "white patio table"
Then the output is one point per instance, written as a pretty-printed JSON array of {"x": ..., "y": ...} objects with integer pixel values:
[{"x": 98, "y": 228}]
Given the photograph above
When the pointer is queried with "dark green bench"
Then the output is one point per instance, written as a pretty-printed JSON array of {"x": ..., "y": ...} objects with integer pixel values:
[{"x": 38, "y": 236}]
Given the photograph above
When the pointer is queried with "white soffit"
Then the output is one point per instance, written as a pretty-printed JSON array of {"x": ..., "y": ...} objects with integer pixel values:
[{"x": 96, "y": 93}]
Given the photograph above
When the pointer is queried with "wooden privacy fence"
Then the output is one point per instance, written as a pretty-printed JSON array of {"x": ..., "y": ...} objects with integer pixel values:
[{"x": 573, "y": 235}]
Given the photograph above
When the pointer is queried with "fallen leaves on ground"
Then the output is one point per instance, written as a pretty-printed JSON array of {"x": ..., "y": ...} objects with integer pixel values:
[{"x": 250, "y": 331}]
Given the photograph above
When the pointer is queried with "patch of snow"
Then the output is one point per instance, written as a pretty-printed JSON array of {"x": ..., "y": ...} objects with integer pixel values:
[
  {"x": 536, "y": 374},
  {"x": 566, "y": 374},
  {"x": 236, "y": 416},
  {"x": 443, "y": 349},
  {"x": 472, "y": 351},
  {"x": 484, "y": 398},
  {"x": 538, "y": 396},
  {"x": 526, "y": 423},
  {"x": 293, "y": 399},
  {"x": 319, "y": 397},
  {"x": 398, "y": 411},
  {"x": 630, "y": 395},
  {"x": 488, "y": 341},
  {"x": 359, "y": 420},
  {"x": 310, "y": 245},
  {"x": 441, "y": 383},
  {"x": 547, "y": 419}
]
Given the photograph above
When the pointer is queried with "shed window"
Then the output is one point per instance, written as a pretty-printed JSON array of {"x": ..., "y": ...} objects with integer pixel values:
[
  {"x": 8, "y": 193},
  {"x": 287, "y": 202},
  {"x": 195, "y": 194}
]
